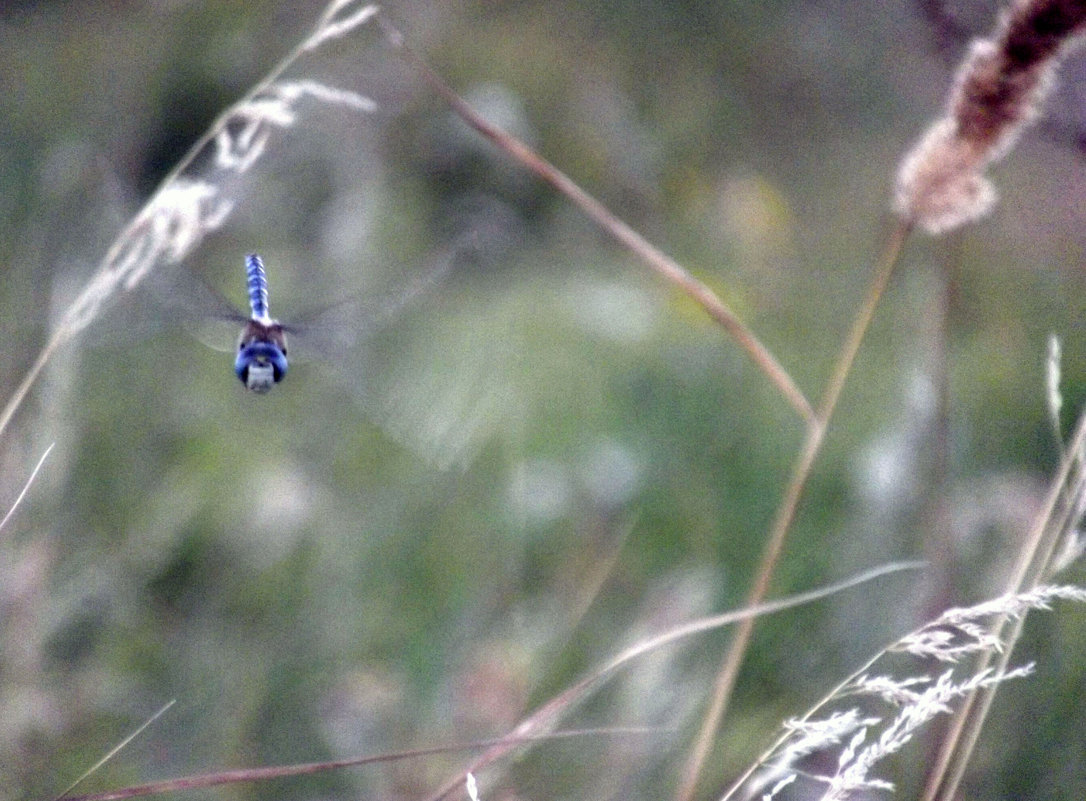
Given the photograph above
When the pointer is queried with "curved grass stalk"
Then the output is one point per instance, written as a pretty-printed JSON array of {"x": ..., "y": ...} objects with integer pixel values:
[
  {"x": 255, "y": 775},
  {"x": 816, "y": 421},
  {"x": 662, "y": 264}
]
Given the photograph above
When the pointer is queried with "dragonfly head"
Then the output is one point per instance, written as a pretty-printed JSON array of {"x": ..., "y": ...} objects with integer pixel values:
[{"x": 262, "y": 355}]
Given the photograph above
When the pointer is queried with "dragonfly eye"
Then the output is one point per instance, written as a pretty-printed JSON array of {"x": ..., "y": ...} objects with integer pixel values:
[{"x": 259, "y": 365}]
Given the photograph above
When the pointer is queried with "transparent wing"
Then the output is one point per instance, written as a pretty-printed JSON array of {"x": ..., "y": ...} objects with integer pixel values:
[
  {"x": 330, "y": 334},
  {"x": 169, "y": 298},
  {"x": 448, "y": 381},
  {"x": 184, "y": 298}
]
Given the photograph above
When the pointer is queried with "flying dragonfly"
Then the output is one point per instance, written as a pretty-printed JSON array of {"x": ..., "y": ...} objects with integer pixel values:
[
  {"x": 437, "y": 384},
  {"x": 262, "y": 347},
  {"x": 260, "y": 352}
]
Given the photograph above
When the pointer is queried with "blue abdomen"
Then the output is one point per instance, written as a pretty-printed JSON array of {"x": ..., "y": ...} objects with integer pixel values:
[{"x": 258, "y": 286}]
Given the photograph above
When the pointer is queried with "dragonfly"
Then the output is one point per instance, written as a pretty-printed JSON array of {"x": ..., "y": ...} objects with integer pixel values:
[
  {"x": 330, "y": 333},
  {"x": 261, "y": 362},
  {"x": 439, "y": 403}
]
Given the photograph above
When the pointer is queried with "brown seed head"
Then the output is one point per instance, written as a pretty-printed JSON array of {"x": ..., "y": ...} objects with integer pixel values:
[{"x": 997, "y": 93}]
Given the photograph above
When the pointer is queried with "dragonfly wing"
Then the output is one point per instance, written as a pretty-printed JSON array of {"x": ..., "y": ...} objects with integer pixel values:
[
  {"x": 170, "y": 297},
  {"x": 444, "y": 401},
  {"x": 185, "y": 299},
  {"x": 332, "y": 333}
]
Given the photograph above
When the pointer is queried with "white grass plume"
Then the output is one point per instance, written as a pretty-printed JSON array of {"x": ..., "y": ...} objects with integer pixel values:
[{"x": 886, "y": 711}]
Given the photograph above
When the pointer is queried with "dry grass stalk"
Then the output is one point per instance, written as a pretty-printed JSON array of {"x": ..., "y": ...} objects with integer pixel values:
[{"x": 662, "y": 264}]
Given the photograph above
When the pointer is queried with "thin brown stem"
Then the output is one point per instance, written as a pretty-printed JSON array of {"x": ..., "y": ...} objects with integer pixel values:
[
  {"x": 251, "y": 775},
  {"x": 786, "y": 511},
  {"x": 656, "y": 259}
]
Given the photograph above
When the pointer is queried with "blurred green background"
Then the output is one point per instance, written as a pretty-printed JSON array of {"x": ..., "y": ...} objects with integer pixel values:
[{"x": 551, "y": 454}]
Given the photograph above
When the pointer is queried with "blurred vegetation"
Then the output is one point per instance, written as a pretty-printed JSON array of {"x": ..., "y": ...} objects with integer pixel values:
[{"x": 550, "y": 455}]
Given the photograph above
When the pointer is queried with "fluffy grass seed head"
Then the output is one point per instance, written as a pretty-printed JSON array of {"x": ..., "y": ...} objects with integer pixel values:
[{"x": 998, "y": 91}]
